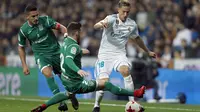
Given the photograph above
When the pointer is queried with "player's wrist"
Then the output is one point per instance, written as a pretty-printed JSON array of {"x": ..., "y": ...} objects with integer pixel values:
[{"x": 78, "y": 70}]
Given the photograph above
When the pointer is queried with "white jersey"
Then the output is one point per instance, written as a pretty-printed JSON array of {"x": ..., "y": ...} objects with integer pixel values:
[{"x": 115, "y": 36}]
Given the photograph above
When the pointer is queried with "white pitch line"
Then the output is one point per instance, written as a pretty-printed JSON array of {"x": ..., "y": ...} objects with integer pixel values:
[{"x": 105, "y": 104}]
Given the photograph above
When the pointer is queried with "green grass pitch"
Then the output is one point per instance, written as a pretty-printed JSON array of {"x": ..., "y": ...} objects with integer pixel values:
[{"x": 25, "y": 104}]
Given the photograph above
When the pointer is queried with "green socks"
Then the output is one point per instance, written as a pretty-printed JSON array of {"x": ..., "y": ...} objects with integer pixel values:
[
  {"x": 117, "y": 90},
  {"x": 52, "y": 85},
  {"x": 56, "y": 99}
]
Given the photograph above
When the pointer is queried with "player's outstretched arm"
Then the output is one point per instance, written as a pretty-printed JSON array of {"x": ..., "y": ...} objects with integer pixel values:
[
  {"x": 61, "y": 28},
  {"x": 141, "y": 44},
  {"x": 101, "y": 24},
  {"x": 22, "y": 56}
]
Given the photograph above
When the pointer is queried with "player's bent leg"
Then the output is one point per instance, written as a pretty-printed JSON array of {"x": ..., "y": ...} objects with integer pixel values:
[
  {"x": 99, "y": 97},
  {"x": 128, "y": 82},
  {"x": 55, "y": 99},
  {"x": 47, "y": 71}
]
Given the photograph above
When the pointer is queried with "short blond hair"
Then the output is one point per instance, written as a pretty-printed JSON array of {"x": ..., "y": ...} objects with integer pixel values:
[{"x": 124, "y": 3}]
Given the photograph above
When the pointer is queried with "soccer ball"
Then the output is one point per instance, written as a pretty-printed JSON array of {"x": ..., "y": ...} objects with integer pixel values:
[{"x": 133, "y": 106}]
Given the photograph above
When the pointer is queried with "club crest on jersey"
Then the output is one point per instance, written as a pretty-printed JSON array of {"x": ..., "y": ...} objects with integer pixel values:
[
  {"x": 117, "y": 21},
  {"x": 73, "y": 50},
  {"x": 40, "y": 27}
]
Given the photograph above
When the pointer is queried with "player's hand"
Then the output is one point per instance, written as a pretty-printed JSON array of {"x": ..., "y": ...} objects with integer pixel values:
[
  {"x": 85, "y": 51},
  {"x": 26, "y": 70},
  {"x": 82, "y": 73},
  {"x": 152, "y": 54}
]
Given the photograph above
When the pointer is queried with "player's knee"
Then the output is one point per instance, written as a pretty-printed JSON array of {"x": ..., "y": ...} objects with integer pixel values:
[
  {"x": 47, "y": 72},
  {"x": 48, "y": 75},
  {"x": 101, "y": 84},
  {"x": 125, "y": 72},
  {"x": 101, "y": 92}
]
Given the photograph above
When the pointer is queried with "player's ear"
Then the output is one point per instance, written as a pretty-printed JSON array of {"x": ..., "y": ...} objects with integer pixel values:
[
  {"x": 27, "y": 15},
  {"x": 76, "y": 33}
]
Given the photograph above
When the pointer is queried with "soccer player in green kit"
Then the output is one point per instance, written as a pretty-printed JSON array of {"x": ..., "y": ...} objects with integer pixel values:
[
  {"x": 72, "y": 76},
  {"x": 38, "y": 31}
]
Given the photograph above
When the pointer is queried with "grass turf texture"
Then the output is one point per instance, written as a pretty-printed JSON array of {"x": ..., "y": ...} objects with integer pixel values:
[{"x": 25, "y": 104}]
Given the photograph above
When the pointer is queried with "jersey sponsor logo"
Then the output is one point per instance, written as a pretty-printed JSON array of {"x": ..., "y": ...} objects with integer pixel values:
[
  {"x": 73, "y": 50},
  {"x": 41, "y": 40}
]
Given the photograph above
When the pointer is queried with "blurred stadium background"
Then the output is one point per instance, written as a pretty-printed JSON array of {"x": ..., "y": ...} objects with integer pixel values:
[{"x": 171, "y": 28}]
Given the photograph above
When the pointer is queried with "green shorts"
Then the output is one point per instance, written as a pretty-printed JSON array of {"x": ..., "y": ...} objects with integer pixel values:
[
  {"x": 79, "y": 86},
  {"x": 53, "y": 61}
]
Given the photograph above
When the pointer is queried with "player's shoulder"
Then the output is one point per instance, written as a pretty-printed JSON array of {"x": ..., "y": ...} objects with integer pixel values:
[
  {"x": 131, "y": 21},
  {"x": 112, "y": 17},
  {"x": 24, "y": 26}
]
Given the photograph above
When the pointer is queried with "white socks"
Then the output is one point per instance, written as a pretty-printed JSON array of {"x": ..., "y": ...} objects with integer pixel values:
[
  {"x": 99, "y": 96},
  {"x": 128, "y": 83}
]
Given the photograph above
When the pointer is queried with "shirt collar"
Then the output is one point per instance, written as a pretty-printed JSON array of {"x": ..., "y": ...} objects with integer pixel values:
[{"x": 29, "y": 24}]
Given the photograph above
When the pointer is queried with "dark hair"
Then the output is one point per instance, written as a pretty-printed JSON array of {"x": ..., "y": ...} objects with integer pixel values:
[
  {"x": 123, "y": 3},
  {"x": 73, "y": 27},
  {"x": 30, "y": 8}
]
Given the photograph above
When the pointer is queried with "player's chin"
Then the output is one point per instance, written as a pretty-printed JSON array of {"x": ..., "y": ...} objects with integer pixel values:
[
  {"x": 36, "y": 22},
  {"x": 125, "y": 18}
]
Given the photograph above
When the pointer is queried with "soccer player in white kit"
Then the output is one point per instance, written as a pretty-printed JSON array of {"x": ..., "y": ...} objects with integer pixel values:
[{"x": 117, "y": 29}]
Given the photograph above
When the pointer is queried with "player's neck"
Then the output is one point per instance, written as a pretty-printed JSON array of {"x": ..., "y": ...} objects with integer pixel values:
[
  {"x": 122, "y": 21},
  {"x": 29, "y": 23},
  {"x": 73, "y": 38}
]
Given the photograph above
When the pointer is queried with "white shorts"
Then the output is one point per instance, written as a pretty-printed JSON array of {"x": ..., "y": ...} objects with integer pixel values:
[{"x": 104, "y": 67}]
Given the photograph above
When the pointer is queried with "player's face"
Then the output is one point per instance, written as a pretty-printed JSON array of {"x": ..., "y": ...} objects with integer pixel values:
[
  {"x": 123, "y": 12},
  {"x": 78, "y": 33},
  {"x": 32, "y": 17}
]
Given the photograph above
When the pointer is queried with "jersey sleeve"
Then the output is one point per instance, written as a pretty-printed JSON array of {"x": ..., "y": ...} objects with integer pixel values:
[
  {"x": 71, "y": 52},
  {"x": 21, "y": 38},
  {"x": 108, "y": 20},
  {"x": 134, "y": 32},
  {"x": 51, "y": 23}
]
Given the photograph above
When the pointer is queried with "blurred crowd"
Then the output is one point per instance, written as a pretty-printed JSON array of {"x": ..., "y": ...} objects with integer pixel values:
[{"x": 168, "y": 27}]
